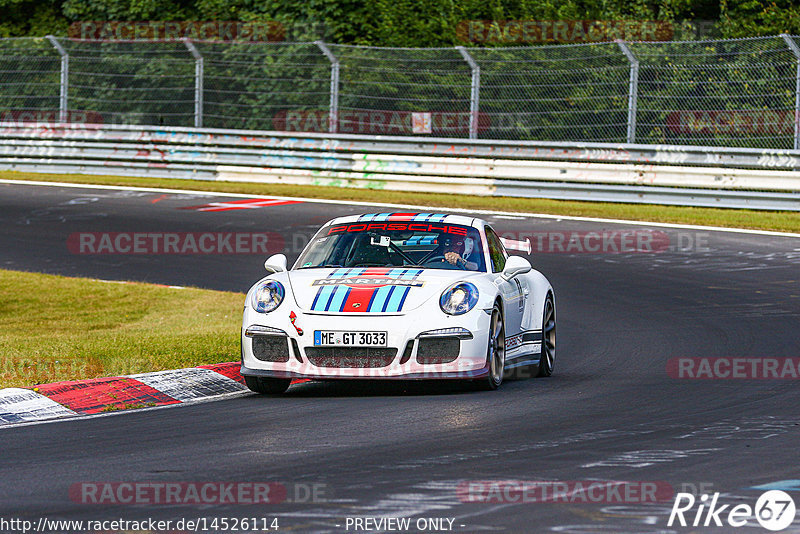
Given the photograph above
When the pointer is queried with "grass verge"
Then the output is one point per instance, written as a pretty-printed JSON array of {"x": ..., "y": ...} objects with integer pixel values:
[
  {"x": 56, "y": 328},
  {"x": 761, "y": 220}
]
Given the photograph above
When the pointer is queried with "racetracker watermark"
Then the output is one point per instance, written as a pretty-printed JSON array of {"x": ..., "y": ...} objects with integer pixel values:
[
  {"x": 48, "y": 117},
  {"x": 202, "y": 493},
  {"x": 578, "y": 242},
  {"x": 37, "y": 370},
  {"x": 725, "y": 368},
  {"x": 606, "y": 242},
  {"x": 747, "y": 121},
  {"x": 175, "y": 243},
  {"x": 142, "y": 525},
  {"x": 379, "y": 122},
  {"x": 259, "y": 31},
  {"x": 563, "y": 491},
  {"x": 563, "y": 31}
]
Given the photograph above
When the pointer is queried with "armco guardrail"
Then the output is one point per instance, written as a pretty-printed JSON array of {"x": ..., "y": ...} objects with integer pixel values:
[{"x": 679, "y": 175}]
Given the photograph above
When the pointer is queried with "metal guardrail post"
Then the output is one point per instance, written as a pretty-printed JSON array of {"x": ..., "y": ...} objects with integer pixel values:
[
  {"x": 796, "y": 51},
  {"x": 475, "y": 91},
  {"x": 64, "y": 85},
  {"x": 198, "y": 83},
  {"x": 333, "y": 108},
  {"x": 633, "y": 89}
]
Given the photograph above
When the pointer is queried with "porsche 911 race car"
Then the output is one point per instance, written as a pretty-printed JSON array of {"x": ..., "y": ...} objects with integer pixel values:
[{"x": 399, "y": 296}]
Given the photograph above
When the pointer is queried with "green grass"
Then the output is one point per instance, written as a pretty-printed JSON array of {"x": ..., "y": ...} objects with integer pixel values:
[
  {"x": 116, "y": 408},
  {"x": 56, "y": 328},
  {"x": 763, "y": 220}
]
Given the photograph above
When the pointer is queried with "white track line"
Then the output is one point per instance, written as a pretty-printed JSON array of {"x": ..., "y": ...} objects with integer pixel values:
[{"x": 407, "y": 206}]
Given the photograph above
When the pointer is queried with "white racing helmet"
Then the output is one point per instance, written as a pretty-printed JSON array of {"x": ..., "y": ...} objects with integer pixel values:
[{"x": 469, "y": 246}]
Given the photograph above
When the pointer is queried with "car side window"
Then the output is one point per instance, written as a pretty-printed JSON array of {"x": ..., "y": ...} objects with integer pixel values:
[{"x": 497, "y": 252}]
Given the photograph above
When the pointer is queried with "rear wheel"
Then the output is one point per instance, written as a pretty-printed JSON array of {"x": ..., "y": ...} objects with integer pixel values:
[
  {"x": 548, "y": 358},
  {"x": 495, "y": 351},
  {"x": 265, "y": 385}
]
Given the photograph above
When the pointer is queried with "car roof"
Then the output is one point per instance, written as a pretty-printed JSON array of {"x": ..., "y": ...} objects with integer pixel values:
[{"x": 409, "y": 217}]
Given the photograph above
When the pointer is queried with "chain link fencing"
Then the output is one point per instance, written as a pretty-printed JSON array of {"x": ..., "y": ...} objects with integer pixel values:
[{"x": 738, "y": 93}]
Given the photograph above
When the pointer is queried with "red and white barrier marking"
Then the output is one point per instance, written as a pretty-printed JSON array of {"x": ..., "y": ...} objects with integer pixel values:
[
  {"x": 76, "y": 398},
  {"x": 230, "y": 369},
  {"x": 87, "y": 397},
  {"x": 104, "y": 394},
  {"x": 190, "y": 384},
  {"x": 243, "y": 204},
  {"x": 19, "y": 405}
]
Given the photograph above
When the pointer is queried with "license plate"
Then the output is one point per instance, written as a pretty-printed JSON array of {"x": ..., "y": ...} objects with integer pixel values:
[{"x": 345, "y": 338}]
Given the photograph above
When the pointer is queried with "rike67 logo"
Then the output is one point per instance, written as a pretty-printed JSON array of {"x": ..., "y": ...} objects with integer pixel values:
[{"x": 774, "y": 510}]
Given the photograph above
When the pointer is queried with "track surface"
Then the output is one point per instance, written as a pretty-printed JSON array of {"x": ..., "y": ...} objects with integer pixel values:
[{"x": 610, "y": 411}]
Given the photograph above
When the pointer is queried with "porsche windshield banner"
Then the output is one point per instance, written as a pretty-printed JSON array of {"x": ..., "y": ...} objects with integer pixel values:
[{"x": 398, "y": 227}]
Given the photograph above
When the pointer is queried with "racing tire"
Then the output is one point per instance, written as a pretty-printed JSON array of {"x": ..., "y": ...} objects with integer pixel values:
[
  {"x": 495, "y": 352},
  {"x": 547, "y": 359},
  {"x": 267, "y": 386}
]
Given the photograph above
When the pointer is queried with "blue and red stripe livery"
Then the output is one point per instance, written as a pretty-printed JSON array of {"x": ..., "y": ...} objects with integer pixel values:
[{"x": 371, "y": 299}]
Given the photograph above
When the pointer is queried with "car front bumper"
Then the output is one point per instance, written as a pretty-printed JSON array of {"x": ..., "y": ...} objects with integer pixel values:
[{"x": 405, "y": 334}]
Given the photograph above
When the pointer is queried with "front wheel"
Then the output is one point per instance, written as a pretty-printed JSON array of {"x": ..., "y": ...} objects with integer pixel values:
[
  {"x": 495, "y": 351},
  {"x": 265, "y": 385},
  {"x": 548, "y": 358}
]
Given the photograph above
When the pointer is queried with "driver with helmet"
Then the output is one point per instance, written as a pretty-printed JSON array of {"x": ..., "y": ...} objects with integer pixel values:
[{"x": 457, "y": 250}]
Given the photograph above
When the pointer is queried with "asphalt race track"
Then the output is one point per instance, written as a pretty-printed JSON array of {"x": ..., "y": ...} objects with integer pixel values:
[{"x": 611, "y": 411}]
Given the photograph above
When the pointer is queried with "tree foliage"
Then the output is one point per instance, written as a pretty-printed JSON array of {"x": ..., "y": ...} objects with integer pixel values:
[{"x": 411, "y": 23}]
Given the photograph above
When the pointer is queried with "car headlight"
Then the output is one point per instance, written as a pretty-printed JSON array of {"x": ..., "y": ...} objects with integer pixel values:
[
  {"x": 267, "y": 296},
  {"x": 459, "y": 298}
]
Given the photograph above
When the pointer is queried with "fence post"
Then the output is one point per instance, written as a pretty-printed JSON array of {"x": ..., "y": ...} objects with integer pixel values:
[
  {"x": 475, "y": 91},
  {"x": 333, "y": 107},
  {"x": 198, "y": 83},
  {"x": 64, "y": 90},
  {"x": 796, "y": 51},
  {"x": 633, "y": 89}
]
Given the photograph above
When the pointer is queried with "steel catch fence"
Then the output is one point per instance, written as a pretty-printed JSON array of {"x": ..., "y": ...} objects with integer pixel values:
[{"x": 736, "y": 93}]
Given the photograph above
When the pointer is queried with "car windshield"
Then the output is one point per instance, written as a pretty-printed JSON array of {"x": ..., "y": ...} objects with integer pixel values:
[{"x": 395, "y": 244}]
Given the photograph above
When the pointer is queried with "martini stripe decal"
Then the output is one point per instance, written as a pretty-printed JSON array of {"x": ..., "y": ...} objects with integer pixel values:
[
  {"x": 395, "y": 298},
  {"x": 381, "y": 297},
  {"x": 339, "y": 298}
]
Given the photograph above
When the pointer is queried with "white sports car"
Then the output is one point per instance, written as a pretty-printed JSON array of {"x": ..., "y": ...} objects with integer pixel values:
[{"x": 399, "y": 296}]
